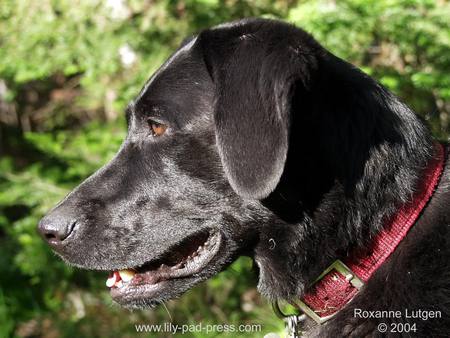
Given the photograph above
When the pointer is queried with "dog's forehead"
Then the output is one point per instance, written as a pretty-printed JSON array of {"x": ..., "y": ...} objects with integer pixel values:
[
  {"x": 173, "y": 61},
  {"x": 181, "y": 87}
]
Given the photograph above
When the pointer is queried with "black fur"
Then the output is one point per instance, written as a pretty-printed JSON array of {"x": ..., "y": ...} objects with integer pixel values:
[{"x": 294, "y": 155}]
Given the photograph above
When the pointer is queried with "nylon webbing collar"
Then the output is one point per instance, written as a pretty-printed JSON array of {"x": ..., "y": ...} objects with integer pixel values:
[{"x": 339, "y": 283}]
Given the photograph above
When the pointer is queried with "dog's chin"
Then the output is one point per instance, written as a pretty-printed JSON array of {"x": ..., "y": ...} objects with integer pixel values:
[
  {"x": 196, "y": 259},
  {"x": 150, "y": 295}
]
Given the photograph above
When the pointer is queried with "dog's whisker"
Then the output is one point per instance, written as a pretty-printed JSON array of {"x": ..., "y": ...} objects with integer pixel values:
[{"x": 167, "y": 310}]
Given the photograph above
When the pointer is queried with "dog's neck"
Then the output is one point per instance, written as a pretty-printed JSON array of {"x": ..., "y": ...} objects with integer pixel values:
[{"x": 341, "y": 182}]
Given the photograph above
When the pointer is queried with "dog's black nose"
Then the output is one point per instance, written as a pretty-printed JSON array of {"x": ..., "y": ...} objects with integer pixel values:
[{"x": 56, "y": 229}]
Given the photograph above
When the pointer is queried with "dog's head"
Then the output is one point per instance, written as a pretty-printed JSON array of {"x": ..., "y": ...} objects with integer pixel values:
[{"x": 207, "y": 143}]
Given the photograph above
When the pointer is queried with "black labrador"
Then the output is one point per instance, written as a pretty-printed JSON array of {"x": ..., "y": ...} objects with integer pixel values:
[{"x": 252, "y": 139}]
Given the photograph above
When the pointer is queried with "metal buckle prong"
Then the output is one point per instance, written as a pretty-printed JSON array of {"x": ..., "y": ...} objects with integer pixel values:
[{"x": 343, "y": 269}]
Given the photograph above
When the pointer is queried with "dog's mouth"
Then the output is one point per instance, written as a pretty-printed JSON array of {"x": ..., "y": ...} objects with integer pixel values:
[{"x": 147, "y": 283}]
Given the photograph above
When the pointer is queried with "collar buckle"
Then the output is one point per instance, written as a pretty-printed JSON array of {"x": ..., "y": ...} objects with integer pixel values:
[{"x": 349, "y": 275}]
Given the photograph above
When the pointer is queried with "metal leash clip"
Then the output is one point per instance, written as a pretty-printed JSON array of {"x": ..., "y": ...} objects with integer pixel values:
[{"x": 291, "y": 321}]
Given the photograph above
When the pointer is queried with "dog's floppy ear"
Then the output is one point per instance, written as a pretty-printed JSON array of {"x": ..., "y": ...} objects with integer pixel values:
[{"x": 254, "y": 80}]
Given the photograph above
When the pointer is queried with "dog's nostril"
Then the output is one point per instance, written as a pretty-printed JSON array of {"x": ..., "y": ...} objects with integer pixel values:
[
  {"x": 49, "y": 236},
  {"x": 70, "y": 229},
  {"x": 56, "y": 230}
]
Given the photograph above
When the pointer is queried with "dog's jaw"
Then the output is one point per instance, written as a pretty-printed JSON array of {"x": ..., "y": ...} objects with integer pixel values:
[{"x": 145, "y": 284}]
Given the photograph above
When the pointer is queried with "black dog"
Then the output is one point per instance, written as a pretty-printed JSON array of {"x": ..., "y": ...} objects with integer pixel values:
[{"x": 254, "y": 140}]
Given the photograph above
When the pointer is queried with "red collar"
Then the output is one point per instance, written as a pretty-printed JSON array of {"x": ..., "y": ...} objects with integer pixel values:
[{"x": 342, "y": 280}]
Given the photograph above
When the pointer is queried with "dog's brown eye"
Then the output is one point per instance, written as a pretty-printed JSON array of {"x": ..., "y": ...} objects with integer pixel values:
[{"x": 156, "y": 128}]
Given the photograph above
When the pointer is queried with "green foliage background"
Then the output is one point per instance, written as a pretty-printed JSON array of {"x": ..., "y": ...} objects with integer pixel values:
[{"x": 64, "y": 83}]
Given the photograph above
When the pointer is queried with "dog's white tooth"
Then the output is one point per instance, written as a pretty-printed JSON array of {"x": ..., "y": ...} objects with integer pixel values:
[
  {"x": 127, "y": 275},
  {"x": 199, "y": 248},
  {"x": 111, "y": 281},
  {"x": 163, "y": 266}
]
